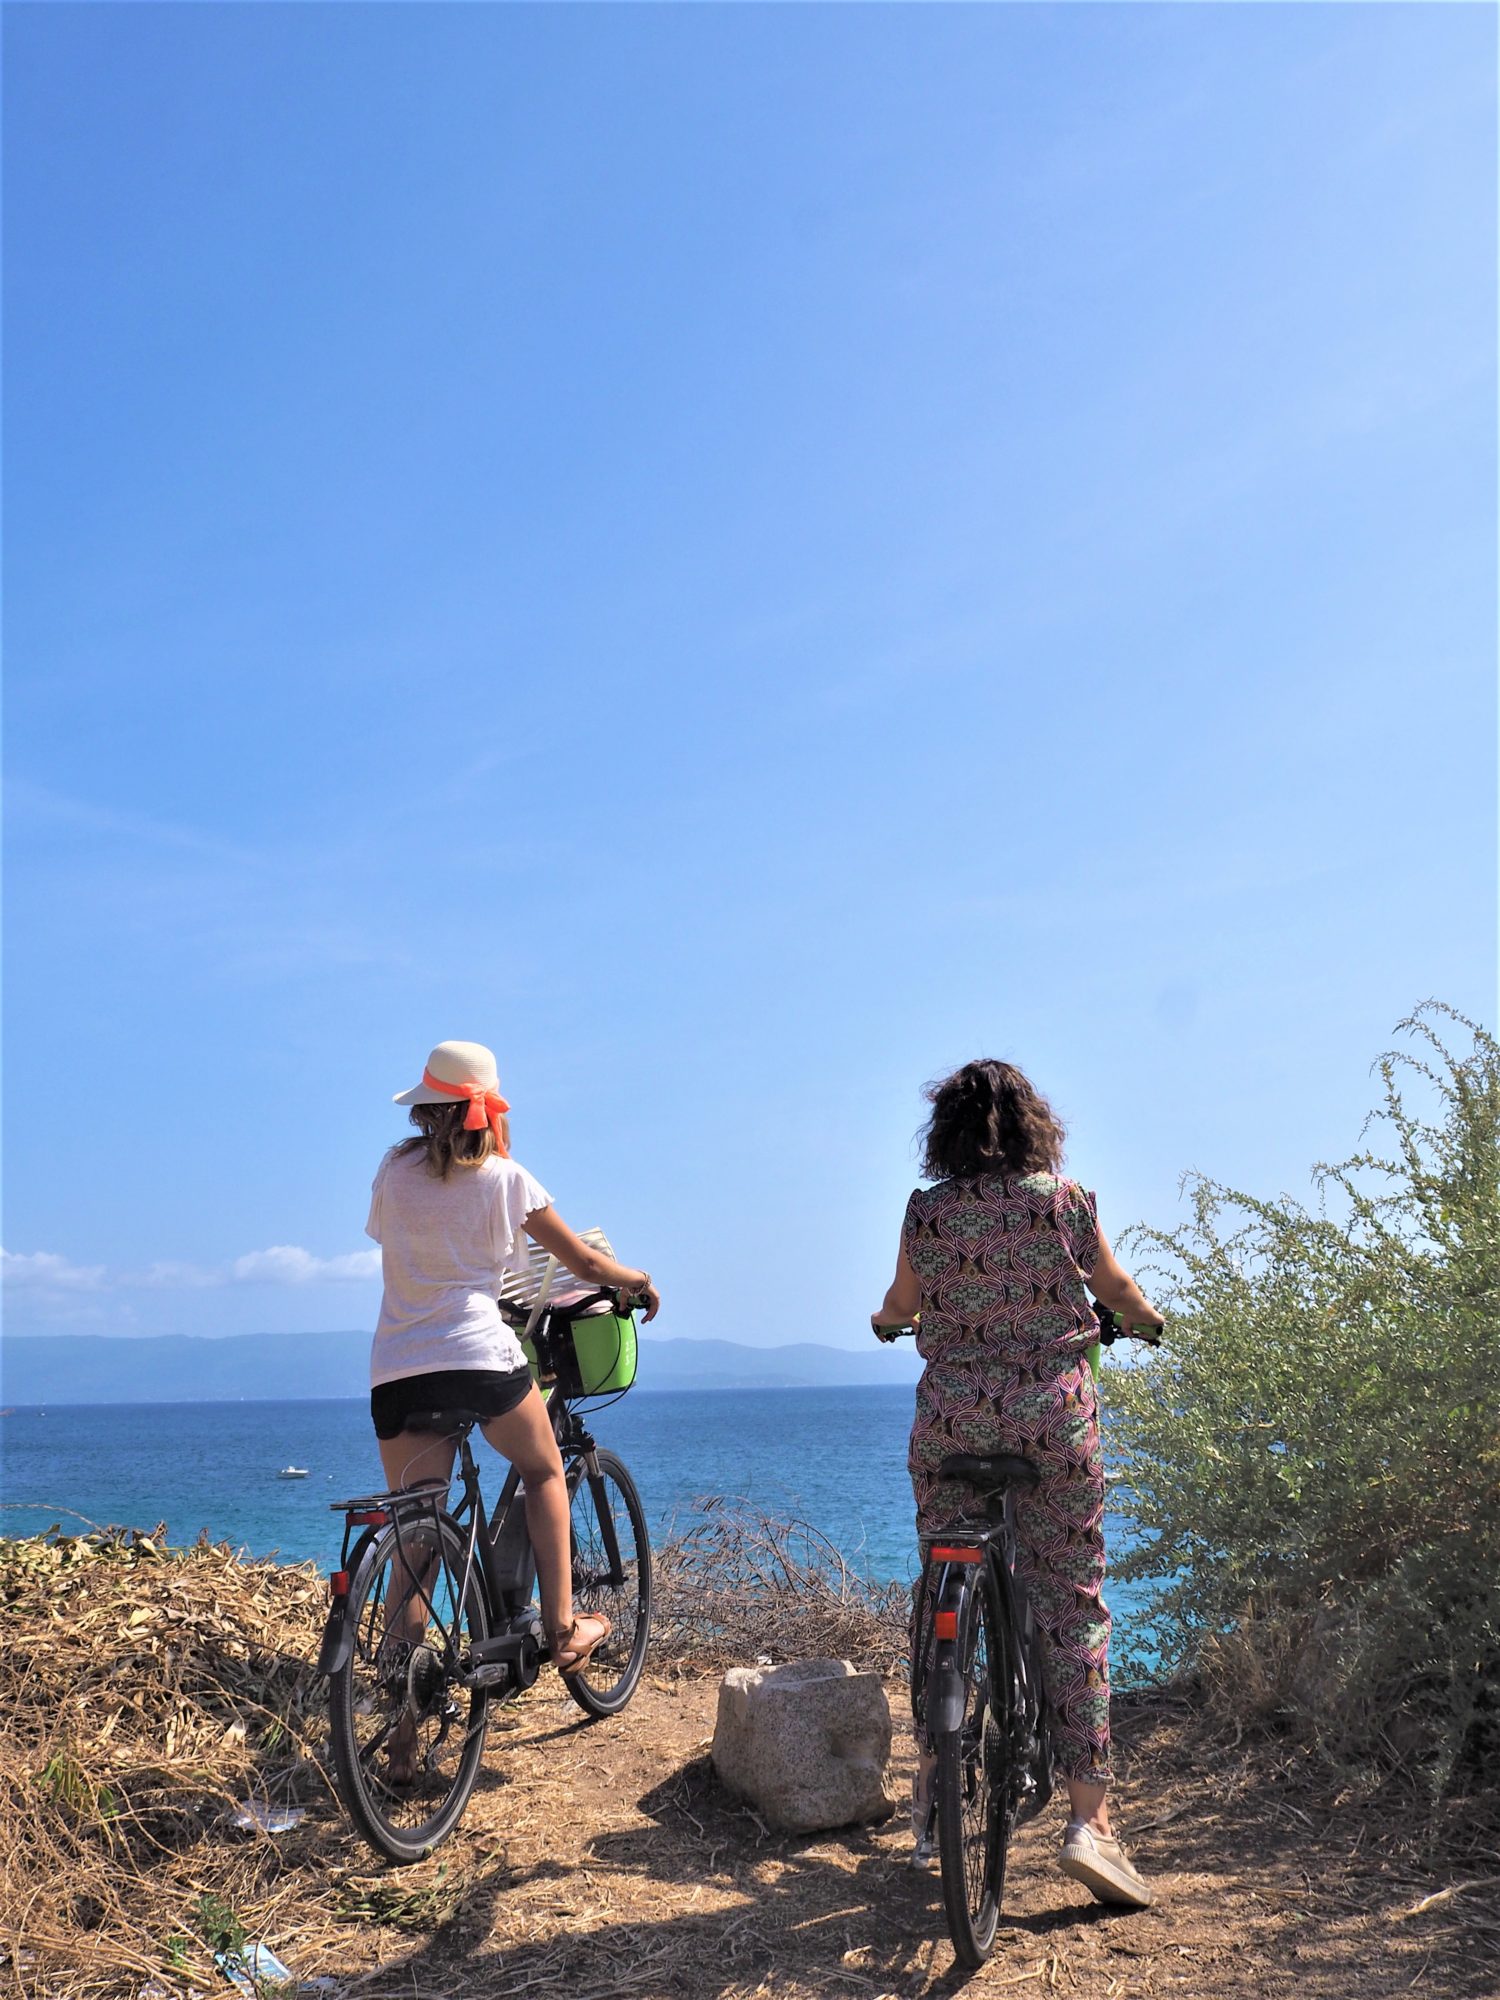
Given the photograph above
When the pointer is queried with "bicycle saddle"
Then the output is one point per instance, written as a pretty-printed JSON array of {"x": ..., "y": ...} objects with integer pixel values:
[
  {"x": 446, "y": 1423},
  {"x": 988, "y": 1472}
]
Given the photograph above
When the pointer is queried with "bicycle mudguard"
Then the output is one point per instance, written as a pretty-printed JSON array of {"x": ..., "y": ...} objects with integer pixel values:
[
  {"x": 945, "y": 1694},
  {"x": 946, "y": 1686},
  {"x": 338, "y": 1641},
  {"x": 338, "y": 1633}
]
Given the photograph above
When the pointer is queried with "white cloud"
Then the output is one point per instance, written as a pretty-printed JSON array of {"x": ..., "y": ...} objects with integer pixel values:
[
  {"x": 52, "y": 1283},
  {"x": 288, "y": 1264},
  {"x": 170, "y": 1276},
  {"x": 42, "y": 1270}
]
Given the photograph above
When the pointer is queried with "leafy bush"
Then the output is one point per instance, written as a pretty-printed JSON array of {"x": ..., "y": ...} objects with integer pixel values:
[{"x": 1313, "y": 1463}]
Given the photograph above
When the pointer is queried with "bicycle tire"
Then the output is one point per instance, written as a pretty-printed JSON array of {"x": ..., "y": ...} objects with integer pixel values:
[
  {"x": 382, "y": 1678},
  {"x": 606, "y": 1683},
  {"x": 1025, "y": 1772},
  {"x": 972, "y": 1817}
]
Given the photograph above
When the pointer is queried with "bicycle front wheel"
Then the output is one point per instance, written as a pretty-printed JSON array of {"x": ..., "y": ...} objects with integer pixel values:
[
  {"x": 612, "y": 1576},
  {"x": 972, "y": 1815},
  {"x": 408, "y": 1737}
]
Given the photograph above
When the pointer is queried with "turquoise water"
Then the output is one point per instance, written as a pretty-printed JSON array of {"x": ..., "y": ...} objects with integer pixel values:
[
  {"x": 832, "y": 1457},
  {"x": 836, "y": 1457}
]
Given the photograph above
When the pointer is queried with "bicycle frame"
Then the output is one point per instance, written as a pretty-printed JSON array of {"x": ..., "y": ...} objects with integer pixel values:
[
  {"x": 963, "y": 1559},
  {"x": 498, "y": 1550}
]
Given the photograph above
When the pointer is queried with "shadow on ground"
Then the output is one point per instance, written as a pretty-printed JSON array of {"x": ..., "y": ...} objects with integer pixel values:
[{"x": 1261, "y": 1894}]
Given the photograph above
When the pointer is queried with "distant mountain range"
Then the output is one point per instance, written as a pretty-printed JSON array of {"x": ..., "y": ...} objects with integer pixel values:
[{"x": 275, "y": 1367}]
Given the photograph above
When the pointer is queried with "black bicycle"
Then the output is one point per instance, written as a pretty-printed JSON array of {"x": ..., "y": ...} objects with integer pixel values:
[
  {"x": 977, "y": 1689},
  {"x": 433, "y": 1616}
]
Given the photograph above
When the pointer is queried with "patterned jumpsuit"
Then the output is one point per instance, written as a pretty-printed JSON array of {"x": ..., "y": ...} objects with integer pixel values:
[{"x": 1001, "y": 1261}]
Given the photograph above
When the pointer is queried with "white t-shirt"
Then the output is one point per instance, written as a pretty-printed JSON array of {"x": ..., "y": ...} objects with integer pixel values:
[{"x": 444, "y": 1248}]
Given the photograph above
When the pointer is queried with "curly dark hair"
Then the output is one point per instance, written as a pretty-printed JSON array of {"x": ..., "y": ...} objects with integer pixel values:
[{"x": 987, "y": 1118}]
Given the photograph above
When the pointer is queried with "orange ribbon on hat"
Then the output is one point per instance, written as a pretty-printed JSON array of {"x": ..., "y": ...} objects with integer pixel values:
[{"x": 486, "y": 1107}]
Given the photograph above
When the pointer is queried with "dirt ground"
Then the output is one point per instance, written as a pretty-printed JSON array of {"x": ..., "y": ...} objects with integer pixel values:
[{"x": 601, "y": 1860}]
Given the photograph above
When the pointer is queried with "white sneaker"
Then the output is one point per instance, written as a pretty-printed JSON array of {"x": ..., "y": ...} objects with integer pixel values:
[
  {"x": 1102, "y": 1866},
  {"x": 924, "y": 1853}
]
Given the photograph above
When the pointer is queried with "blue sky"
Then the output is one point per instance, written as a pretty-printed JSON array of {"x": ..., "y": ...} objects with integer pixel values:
[{"x": 743, "y": 556}]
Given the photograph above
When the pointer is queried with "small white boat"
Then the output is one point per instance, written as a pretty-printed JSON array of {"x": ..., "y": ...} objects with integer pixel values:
[{"x": 292, "y": 1472}]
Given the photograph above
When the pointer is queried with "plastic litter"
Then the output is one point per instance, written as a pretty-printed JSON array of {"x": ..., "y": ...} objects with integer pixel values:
[
  {"x": 254, "y": 1817},
  {"x": 257, "y": 1968}
]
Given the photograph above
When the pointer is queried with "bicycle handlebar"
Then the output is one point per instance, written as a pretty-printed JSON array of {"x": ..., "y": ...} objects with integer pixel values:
[
  {"x": 614, "y": 1293},
  {"x": 1111, "y": 1328},
  {"x": 517, "y": 1315}
]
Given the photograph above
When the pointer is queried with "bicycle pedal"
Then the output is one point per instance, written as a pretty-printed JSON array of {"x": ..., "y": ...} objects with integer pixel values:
[{"x": 499, "y": 1673}]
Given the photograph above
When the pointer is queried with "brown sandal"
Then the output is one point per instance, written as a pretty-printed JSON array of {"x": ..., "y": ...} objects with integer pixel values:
[{"x": 569, "y": 1657}]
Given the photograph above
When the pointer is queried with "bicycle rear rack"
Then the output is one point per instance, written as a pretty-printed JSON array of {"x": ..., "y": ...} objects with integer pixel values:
[{"x": 510, "y": 1659}]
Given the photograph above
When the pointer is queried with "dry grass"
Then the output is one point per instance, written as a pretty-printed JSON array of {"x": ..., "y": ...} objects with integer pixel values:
[
  {"x": 152, "y": 1691},
  {"x": 148, "y": 1691},
  {"x": 737, "y": 1585}
]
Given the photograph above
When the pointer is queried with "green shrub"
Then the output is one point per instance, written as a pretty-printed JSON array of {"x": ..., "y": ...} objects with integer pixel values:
[{"x": 1312, "y": 1465}]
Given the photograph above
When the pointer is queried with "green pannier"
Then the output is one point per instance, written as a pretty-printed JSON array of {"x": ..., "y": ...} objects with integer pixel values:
[{"x": 592, "y": 1355}]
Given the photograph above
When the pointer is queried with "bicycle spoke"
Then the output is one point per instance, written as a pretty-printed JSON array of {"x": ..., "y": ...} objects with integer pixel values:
[{"x": 407, "y": 1734}]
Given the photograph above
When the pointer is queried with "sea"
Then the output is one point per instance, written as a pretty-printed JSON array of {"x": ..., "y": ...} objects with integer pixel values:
[{"x": 834, "y": 1458}]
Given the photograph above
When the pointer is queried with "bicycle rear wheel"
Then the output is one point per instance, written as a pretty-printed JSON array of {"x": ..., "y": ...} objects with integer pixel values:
[
  {"x": 612, "y": 1576},
  {"x": 973, "y": 1817},
  {"x": 408, "y": 1737}
]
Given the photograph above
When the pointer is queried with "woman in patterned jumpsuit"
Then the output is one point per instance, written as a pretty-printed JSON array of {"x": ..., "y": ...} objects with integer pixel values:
[{"x": 994, "y": 1258}]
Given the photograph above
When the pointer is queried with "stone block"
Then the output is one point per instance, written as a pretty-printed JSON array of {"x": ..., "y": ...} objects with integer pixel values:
[{"x": 805, "y": 1744}]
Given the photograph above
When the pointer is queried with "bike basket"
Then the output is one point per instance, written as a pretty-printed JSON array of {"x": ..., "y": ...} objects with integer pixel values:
[{"x": 592, "y": 1355}]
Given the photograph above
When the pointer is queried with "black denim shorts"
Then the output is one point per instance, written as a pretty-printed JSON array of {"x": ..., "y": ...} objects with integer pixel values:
[{"x": 493, "y": 1392}]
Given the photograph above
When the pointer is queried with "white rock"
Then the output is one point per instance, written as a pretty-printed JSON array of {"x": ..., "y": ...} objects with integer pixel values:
[{"x": 806, "y": 1744}]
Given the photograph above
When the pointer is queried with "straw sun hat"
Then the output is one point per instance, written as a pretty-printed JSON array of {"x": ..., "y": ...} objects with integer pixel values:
[{"x": 462, "y": 1070}]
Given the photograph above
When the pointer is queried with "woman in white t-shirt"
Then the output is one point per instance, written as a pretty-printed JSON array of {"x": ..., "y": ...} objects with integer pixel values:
[{"x": 451, "y": 1211}]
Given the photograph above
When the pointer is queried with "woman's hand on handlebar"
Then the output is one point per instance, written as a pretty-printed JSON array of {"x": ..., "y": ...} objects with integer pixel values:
[
  {"x": 1119, "y": 1293},
  {"x": 1128, "y": 1323},
  {"x": 887, "y": 1329},
  {"x": 642, "y": 1294}
]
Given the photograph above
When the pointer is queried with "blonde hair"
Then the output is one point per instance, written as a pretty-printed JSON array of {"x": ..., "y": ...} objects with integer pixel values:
[{"x": 446, "y": 1143}]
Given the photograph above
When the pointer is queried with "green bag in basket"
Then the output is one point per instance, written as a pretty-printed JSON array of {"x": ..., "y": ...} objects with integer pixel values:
[
  {"x": 605, "y": 1345},
  {"x": 593, "y": 1355}
]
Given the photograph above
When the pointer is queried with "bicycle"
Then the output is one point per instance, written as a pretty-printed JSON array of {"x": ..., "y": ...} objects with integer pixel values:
[
  {"x": 978, "y": 1693},
  {"x": 432, "y": 1615}
]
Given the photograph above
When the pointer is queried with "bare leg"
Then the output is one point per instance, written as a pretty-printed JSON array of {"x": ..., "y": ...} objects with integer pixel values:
[
  {"x": 407, "y": 1460},
  {"x": 415, "y": 1456},
  {"x": 1089, "y": 1803},
  {"x": 525, "y": 1437},
  {"x": 926, "y": 1778}
]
